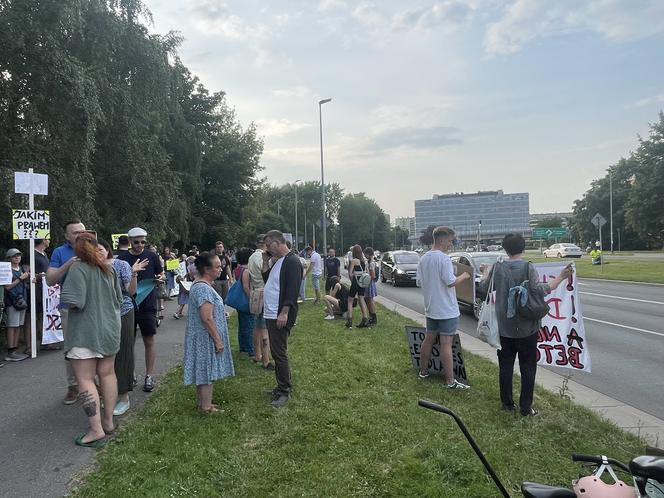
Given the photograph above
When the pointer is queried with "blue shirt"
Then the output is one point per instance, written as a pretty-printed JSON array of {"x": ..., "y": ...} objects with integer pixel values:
[{"x": 60, "y": 256}]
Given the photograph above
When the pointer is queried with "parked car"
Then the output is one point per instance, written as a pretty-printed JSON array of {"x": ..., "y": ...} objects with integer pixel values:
[
  {"x": 494, "y": 248},
  {"x": 476, "y": 260},
  {"x": 563, "y": 251},
  {"x": 400, "y": 267}
]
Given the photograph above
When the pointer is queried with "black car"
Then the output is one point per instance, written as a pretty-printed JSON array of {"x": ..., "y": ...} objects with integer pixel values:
[
  {"x": 475, "y": 260},
  {"x": 400, "y": 267}
]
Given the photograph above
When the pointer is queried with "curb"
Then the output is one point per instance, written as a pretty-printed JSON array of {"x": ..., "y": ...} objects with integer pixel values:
[
  {"x": 621, "y": 281},
  {"x": 626, "y": 417}
]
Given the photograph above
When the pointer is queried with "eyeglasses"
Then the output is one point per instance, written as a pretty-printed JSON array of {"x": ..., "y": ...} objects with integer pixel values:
[{"x": 141, "y": 242}]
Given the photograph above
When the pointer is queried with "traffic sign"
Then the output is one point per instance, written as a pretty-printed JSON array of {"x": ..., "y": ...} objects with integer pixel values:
[
  {"x": 545, "y": 233},
  {"x": 598, "y": 220}
]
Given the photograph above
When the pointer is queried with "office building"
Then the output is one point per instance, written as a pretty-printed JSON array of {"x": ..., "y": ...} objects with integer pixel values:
[{"x": 407, "y": 224}]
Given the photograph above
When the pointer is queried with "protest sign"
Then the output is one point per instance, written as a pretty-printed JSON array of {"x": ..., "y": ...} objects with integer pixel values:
[
  {"x": 172, "y": 265},
  {"x": 562, "y": 337},
  {"x": 30, "y": 224},
  {"x": 415, "y": 337},
  {"x": 115, "y": 237},
  {"x": 30, "y": 183},
  {"x": 5, "y": 273},
  {"x": 52, "y": 323}
]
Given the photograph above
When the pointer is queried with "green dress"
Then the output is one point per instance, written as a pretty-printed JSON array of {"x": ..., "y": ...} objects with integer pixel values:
[{"x": 94, "y": 300}]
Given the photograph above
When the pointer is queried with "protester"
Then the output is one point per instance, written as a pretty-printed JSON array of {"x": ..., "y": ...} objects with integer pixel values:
[
  {"x": 370, "y": 292},
  {"x": 336, "y": 301},
  {"x": 160, "y": 287},
  {"x": 124, "y": 359},
  {"x": 207, "y": 352},
  {"x": 146, "y": 313},
  {"x": 92, "y": 291},
  {"x": 167, "y": 255},
  {"x": 257, "y": 265},
  {"x": 518, "y": 335},
  {"x": 123, "y": 245},
  {"x": 16, "y": 295},
  {"x": 305, "y": 264},
  {"x": 184, "y": 275},
  {"x": 282, "y": 282},
  {"x": 332, "y": 268},
  {"x": 316, "y": 270},
  {"x": 225, "y": 279},
  {"x": 61, "y": 260},
  {"x": 245, "y": 320},
  {"x": 435, "y": 275},
  {"x": 357, "y": 266}
]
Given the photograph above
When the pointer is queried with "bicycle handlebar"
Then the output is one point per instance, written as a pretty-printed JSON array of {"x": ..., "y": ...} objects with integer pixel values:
[{"x": 599, "y": 460}]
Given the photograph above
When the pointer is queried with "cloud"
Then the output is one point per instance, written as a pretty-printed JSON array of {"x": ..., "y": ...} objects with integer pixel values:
[
  {"x": 214, "y": 16},
  {"x": 525, "y": 21},
  {"x": 448, "y": 14},
  {"x": 299, "y": 91},
  {"x": 329, "y": 5},
  {"x": 416, "y": 138},
  {"x": 655, "y": 99},
  {"x": 279, "y": 127},
  {"x": 369, "y": 16}
]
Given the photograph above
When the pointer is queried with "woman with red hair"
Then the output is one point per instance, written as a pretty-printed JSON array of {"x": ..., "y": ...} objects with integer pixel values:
[{"x": 94, "y": 296}]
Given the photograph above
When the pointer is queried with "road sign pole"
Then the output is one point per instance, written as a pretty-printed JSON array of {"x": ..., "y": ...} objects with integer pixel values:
[
  {"x": 601, "y": 249},
  {"x": 33, "y": 297}
]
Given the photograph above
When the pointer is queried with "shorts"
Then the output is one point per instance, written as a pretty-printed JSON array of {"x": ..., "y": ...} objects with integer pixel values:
[
  {"x": 15, "y": 318},
  {"x": 260, "y": 322},
  {"x": 77, "y": 353},
  {"x": 147, "y": 322},
  {"x": 355, "y": 289},
  {"x": 315, "y": 281},
  {"x": 443, "y": 326}
]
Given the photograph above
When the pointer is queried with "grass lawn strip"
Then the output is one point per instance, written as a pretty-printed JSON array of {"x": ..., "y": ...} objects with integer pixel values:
[
  {"x": 629, "y": 270},
  {"x": 352, "y": 428}
]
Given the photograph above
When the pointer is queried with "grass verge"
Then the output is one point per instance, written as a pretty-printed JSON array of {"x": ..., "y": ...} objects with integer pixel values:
[
  {"x": 631, "y": 270},
  {"x": 352, "y": 428}
]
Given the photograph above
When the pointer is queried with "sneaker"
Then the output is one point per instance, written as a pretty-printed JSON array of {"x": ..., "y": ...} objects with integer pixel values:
[
  {"x": 457, "y": 385},
  {"x": 15, "y": 356},
  {"x": 148, "y": 385},
  {"x": 121, "y": 407},
  {"x": 72, "y": 396},
  {"x": 269, "y": 366},
  {"x": 177, "y": 316},
  {"x": 329, "y": 317},
  {"x": 363, "y": 324},
  {"x": 349, "y": 324},
  {"x": 281, "y": 401},
  {"x": 423, "y": 374},
  {"x": 533, "y": 412}
]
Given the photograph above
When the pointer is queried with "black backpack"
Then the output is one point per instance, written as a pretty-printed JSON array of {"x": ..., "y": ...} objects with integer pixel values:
[{"x": 536, "y": 307}]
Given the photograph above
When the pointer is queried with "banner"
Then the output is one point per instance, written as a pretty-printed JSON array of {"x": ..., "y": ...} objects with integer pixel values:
[
  {"x": 115, "y": 237},
  {"x": 415, "y": 337},
  {"x": 30, "y": 224},
  {"x": 172, "y": 265},
  {"x": 562, "y": 338},
  {"x": 52, "y": 323},
  {"x": 6, "y": 275}
]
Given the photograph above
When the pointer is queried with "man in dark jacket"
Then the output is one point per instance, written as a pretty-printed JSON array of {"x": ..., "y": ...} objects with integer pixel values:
[{"x": 282, "y": 285}]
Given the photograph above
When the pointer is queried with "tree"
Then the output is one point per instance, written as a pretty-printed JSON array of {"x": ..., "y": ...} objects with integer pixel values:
[
  {"x": 426, "y": 239},
  {"x": 363, "y": 222}
]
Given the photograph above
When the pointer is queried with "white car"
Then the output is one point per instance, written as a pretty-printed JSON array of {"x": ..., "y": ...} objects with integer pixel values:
[{"x": 563, "y": 251}]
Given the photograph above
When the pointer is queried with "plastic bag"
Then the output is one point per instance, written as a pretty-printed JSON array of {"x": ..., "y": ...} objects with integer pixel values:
[{"x": 487, "y": 325}]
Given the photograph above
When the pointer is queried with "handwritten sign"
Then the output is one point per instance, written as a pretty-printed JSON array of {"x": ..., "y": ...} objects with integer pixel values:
[
  {"x": 416, "y": 336},
  {"x": 172, "y": 265},
  {"x": 6, "y": 276},
  {"x": 52, "y": 321},
  {"x": 31, "y": 224},
  {"x": 115, "y": 239},
  {"x": 562, "y": 337}
]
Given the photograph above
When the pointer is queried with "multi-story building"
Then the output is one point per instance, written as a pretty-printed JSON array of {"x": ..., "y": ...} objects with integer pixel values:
[
  {"x": 406, "y": 224},
  {"x": 493, "y": 213}
]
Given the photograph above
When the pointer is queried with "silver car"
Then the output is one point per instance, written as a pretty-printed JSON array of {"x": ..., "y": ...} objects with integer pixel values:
[
  {"x": 477, "y": 261},
  {"x": 563, "y": 250}
]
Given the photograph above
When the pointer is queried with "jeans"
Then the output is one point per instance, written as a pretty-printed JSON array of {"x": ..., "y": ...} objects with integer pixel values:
[
  {"x": 279, "y": 349},
  {"x": 245, "y": 332},
  {"x": 526, "y": 348}
]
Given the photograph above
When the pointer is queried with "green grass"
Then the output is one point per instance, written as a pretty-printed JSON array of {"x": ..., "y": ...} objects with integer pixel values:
[
  {"x": 352, "y": 428},
  {"x": 632, "y": 270}
]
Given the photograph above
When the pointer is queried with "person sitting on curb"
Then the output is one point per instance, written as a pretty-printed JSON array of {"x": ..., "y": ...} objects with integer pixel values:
[{"x": 336, "y": 302}]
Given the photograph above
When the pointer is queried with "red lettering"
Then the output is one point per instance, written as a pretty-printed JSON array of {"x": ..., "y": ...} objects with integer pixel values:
[
  {"x": 562, "y": 356},
  {"x": 543, "y": 335},
  {"x": 574, "y": 355},
  {"x": 547, "y": 351},
  {"x": 556, "y": 304},
  {"x": 574, "y": 320}
]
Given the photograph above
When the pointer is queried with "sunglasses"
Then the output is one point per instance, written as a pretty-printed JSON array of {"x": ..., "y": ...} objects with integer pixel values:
[{"x": 141, "y": 242}]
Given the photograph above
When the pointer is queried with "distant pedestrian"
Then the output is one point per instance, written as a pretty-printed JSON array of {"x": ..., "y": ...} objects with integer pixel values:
[
  {"x": 518, "y": 335},
  {"x": 94, "y": 296},
  {"x": 370, "y": 292},
  {"x": 282, "y": 282},
  {"x": 184, "y": 279},
  {"x": 332, "y": 267},
  {"x": 435, "y": 275},
  {"x": 41, "y": 267},
  {"x": 357, "y": 266},
  {"x": 16, "y": 302},
  {"x": 207, "y": 351},
  {"x": 316, "y": 270},
  {"x": 257, "y": 265},
  {"x": 225, "y": 279},
  {"x": 245, "y": 320}
]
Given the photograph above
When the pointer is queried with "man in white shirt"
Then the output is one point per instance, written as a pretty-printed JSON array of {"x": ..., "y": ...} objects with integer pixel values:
[
  {"x": 435, "y": 275},
  {"x": 316, "y": 270}
]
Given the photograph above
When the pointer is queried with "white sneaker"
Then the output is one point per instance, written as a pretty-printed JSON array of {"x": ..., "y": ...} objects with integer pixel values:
[
  {"x": 329, "y": 317},
  {"x": 457, "y": 385},
  {"x": 15, "y": 356},
  {"x": 121, "y": 407}
]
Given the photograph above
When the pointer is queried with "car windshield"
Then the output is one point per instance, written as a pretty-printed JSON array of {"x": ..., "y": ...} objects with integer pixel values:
[
  {"x": 406, "y": 258},
  {"x": 485, "y": 260}
]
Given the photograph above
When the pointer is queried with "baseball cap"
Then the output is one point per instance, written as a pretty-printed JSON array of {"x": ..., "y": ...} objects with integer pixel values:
[
  {"x": 137, "y": 232},
  {"x": 12, "y": 252}
]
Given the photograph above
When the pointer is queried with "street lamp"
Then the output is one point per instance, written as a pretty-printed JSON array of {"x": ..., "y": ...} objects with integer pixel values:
[
  {"x": 322, "y": 171},
  {"x": 297, "y": 241},
  {"x": 611, "y": 206}
]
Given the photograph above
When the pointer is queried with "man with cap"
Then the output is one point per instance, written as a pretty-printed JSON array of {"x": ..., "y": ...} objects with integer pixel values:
[
  {"x": 61, "y": 260},
  {"x": 15, "y": 315},
  {"x": 146, "y": 315}
]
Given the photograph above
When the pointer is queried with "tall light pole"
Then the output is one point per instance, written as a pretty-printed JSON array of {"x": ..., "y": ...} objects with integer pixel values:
[
  {"x": 611, "y": 206},
  {"x": 297, "y": 241},
  {"x": 322, "y": 171}
]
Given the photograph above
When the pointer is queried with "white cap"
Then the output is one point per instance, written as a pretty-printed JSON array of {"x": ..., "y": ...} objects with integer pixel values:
[
  {"x": 597, "y": 243},
  {"x": 137, "y": 232}
]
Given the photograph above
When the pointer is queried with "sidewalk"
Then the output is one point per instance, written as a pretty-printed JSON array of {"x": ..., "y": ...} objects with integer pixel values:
[
  {"x": 628, "y": 418},
  {"x": 38, "y": 457}
]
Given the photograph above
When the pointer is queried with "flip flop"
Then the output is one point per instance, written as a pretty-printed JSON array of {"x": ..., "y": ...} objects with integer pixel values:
[
  {"x": 96, "y": 444},
  {"x": 211, "y": 410}
]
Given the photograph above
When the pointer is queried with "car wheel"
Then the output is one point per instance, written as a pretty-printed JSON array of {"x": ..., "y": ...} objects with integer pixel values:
[
  {"x": 560, "y": 255},
  {"x": 382, "y": 277}
]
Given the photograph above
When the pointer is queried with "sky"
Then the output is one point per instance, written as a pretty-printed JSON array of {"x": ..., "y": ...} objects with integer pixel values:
[{"x": 433, "y": 97}]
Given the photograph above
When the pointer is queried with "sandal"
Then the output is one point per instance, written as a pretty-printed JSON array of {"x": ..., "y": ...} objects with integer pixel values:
[
  {"x": 96, "y": 444},
  {"x": 212, "y": 409}
]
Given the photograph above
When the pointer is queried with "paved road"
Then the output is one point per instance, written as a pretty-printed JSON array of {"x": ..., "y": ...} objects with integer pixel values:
[{"x": 625, "y": 331}]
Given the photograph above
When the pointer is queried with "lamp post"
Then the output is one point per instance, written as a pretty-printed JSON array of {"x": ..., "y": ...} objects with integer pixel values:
[
  {"x": 297, "y": 241},
  {"x": 611, "y": 206},
  {"x": 322, "y": 171}
]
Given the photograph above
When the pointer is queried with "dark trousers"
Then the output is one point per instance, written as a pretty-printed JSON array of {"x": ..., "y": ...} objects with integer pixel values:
[
  {"x": 279, "y": 349},
  {"x": 526, "y": 348},
  {"x": 245, "y": 331},
  {"x": 124, "y": 359}
]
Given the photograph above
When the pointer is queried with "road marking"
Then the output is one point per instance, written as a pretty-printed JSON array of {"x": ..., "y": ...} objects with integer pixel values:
[
  {"x": 624, "y": 298},
  {"x": 624, "y": 326}
]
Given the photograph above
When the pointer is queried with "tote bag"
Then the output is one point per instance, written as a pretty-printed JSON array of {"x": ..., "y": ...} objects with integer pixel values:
[
  {"x": 487, "y": 325},
  {"x": 236, "y": 297}
]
